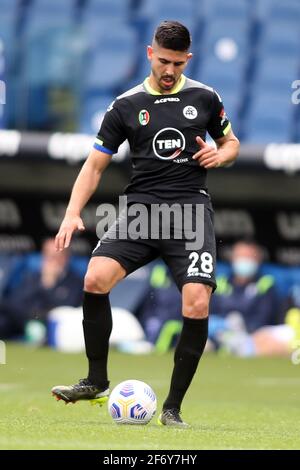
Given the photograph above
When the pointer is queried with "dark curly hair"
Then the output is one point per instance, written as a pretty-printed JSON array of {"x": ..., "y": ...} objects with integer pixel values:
[{"x": 173, "y": 35}]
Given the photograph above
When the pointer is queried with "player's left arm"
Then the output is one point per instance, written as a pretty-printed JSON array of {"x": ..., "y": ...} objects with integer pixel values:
[{"x": 225, "y": 153}]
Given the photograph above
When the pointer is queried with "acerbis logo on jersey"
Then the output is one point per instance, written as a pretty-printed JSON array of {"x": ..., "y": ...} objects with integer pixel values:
[
  {"x": 168, "y": 143},
  {"x": 166, "y": 100},
  {"x": 190, "y": 112},
  {"x": 144, "y": 117}
]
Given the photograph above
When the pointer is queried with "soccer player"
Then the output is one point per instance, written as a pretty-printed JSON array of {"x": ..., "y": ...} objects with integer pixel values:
[{"x": 165, "y": 120}]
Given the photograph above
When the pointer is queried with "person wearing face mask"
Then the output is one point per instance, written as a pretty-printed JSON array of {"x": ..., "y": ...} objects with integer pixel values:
[{"x": 246, "y": 299}]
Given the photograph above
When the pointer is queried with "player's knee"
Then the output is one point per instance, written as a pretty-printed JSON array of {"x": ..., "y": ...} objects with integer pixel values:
[
  {"x": 196, "y": 307},
  {"x": 96, "y": 283},
  {"x": 196, "y": 299}
]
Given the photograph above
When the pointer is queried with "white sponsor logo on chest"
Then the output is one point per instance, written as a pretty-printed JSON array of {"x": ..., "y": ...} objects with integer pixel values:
[{"x": 166, "y": 100}]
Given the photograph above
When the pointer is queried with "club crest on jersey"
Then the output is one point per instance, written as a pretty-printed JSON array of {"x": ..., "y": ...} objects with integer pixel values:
[
  {"x": 144, "y": 117},
  {"x": 190, "y": 112},
  {"x": 168, "y": 143}
]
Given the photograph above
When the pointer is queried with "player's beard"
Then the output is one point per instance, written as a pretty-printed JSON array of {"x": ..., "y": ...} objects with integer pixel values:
[
  {"x": 165, "y": 86},
  {"x": 166, "y": 82}
]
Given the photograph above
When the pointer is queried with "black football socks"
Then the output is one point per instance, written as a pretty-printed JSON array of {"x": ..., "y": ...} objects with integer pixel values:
[
  {"x": 97, "y": 326},
  {"x": 188, "y": 352}
]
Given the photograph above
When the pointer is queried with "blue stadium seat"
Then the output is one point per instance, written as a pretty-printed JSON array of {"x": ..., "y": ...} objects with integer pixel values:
[
  {"x": 277, "y": 74},
  {"x": 108, "y": 8},
  {"x": 13, "y": 98},
  {"x": 274, "y": 9},
  {"x": 171, "y": 10},
  {"x": 106, "y": 13},
  {"x": 222, "y": 75},
  {"x": 8, "y": 38},
  {"x": 265, "y": 100},
  {"x": 44, "y": 14},
  {"x": 155, "y": 11},
  {"x": 38, "y": 22},
  {"x": 269, "y": 119},
  {"x": 9, "y": 6},
  {"x": 51, "y": 7},
  {"x": 237, "y": 31},
  {"x": 9, "y": 264},
  {"x": 59, "y": 50},
  {"x": 107, "y": 71},
  {"x": 280, "y": 39},
  {"x": 92, "y": 112},
  {"x": 288, "y": 11},
  {"x": 99, "y": 32},
  {"x": 112, "y": 58},
  {"x": 231, "y": 9}
]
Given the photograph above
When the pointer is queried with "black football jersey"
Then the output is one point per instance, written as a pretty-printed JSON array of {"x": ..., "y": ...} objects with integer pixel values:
[{"x": 161, "y": 131}]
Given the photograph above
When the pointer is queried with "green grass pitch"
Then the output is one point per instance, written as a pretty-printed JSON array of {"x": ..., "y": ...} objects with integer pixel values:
[{"x": 232, "y": 404}]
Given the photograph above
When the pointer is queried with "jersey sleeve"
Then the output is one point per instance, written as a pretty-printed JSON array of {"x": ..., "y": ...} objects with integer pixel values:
[
  {"x": 112, "y": 131},
  {"x": 219, "y": 124}
]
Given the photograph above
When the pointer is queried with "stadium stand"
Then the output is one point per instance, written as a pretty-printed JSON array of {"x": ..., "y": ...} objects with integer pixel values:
[
  {"x": 8, "y": 23},
  {"x": 240, "y": 48},
  {"x": 14, "y": 267},
  {"x": 229, "y": 84},
  {"x": 108, "y": 67},
  {"x": 92, "y": 112},
  {"x": 235, "y": 9},
  {"x": 270, "y": 117},
  {"x": 155, "y": 11},
  {"x": 274, "y": 10},
  {"x": 280, "y": 39}
]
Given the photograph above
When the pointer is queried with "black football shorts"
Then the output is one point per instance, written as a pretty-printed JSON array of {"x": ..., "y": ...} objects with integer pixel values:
[{"x": 189, "y": 260}]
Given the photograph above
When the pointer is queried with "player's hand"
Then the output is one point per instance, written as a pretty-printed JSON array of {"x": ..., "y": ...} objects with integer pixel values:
[
  {"x": 68, "y": 226},
  {"x": 208, "y": 156}
]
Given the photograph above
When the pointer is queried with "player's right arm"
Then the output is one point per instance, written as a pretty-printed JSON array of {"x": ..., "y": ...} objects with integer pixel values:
[
  {"x": 84, "y": 187},
  {"x": 110, "y": 136}
]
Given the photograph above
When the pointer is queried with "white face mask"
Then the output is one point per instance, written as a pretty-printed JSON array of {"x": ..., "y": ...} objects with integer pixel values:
[{"x": 245, "y": 267}]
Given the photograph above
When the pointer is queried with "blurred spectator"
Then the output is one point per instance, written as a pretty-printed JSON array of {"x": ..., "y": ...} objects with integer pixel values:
[
  {"x": 278, "y": 340},
  {"x": 160, "y": 315},
  {"x": 282, "y": 339},
  {"x": 247, "y": 298},
  {"x": 243, "y": 303},
  {"x": 55, "y": 284}
]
